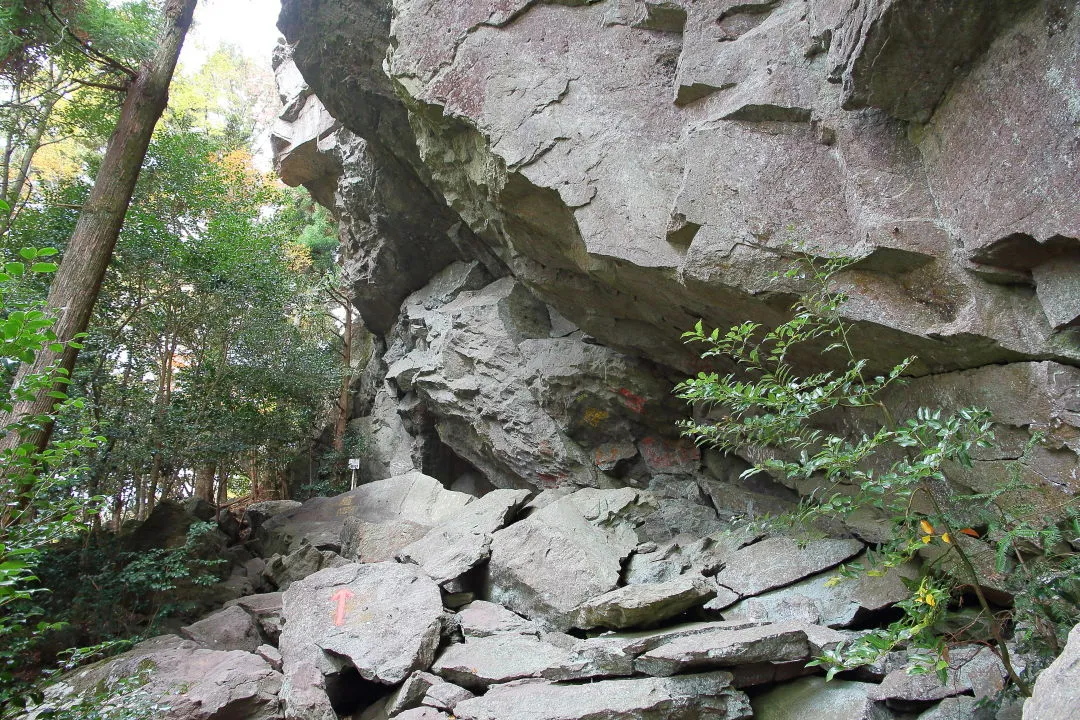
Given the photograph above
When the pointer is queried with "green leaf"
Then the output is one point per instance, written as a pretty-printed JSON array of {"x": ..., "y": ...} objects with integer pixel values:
[
  {"x": 44, "y": 267},
  {"x": 15, "y": 269}
]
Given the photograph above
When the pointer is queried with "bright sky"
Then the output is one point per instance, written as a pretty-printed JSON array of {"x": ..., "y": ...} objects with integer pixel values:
[{"x": 248, "y": 24}]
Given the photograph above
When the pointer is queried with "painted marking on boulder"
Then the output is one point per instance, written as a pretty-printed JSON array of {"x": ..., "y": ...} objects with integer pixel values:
[
  {"x": 340, "y": 597},
  {"x": 636, "y": 403}
]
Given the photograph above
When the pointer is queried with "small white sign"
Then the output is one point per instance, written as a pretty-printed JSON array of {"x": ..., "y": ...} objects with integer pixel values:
[{"x": 354, "y": 463}]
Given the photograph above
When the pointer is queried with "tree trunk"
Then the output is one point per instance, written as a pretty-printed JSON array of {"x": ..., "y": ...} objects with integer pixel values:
[
  {"x": 33, "y": 144},
  {"x": 204, "y": 482},
  {"x": 75, "y": 288}
]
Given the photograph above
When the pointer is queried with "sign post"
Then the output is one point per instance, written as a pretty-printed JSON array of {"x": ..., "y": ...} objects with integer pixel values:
[{"x": 354, "y": 465}]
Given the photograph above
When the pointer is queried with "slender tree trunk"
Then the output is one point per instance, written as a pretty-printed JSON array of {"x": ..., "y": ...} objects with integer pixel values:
[
  {"x": 33, "y": 144},
  {"x": 75, "y": 288},
  {"x": 204, "y": 481}
]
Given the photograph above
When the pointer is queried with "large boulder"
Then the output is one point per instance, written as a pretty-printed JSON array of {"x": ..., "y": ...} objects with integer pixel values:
[
  {"x": 384, "y": 619},
  {"x": 229, "y": 629},
  {"x": 643, "y": 605},
  {"x": 413, "y": 497},
  {"x": 193, "y": 682},
  {"x": 687, "y": 697},
  {"x": 566, "y": 553},
  {"x": 458, "y": 545},
  {"x": 611, "y": 215}
]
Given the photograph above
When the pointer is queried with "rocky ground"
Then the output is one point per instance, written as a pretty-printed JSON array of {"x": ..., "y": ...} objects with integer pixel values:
[{"x": 403, "y": 599}]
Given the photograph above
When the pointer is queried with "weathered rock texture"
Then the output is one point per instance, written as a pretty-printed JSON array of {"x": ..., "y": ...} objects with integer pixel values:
[{"x": 538, "y": 197}]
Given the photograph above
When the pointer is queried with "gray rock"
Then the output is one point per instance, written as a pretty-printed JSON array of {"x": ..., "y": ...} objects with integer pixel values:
[
  {"x": 460, "y": 544},
  {"x": 776, "y": 642},
  {"x": 1056, "y": 694},
  {"x": 423, "y": 688},
  {"x": 371, "y": 542},
  {"x": 480, "y": 662},
  {"x": 422, "y": 713},
  {"x": 687, "y": 697},
  {"x": 303, "y": 694},
  {"x": 644, "y": 604},
  {"x": 971, "y": 669},
  {"x": 389, "y": 615},
  {"x": 954, "y": 708},
  {"x": 481, "y": 618},
  {"x": 193, "y": 682},
  {"x": 814, "y": 699},
  {"x": 877, "y": 43},
  {"x": 258, "y": 513},
  {"x": 270, "y": 654},
  {"x": 567, "y": 552},
  {"x": 446, "y": 696},
  {"x": 229, "y": 629},
  {"x": 777, "y": 562},
  {"x": 283, "y": 571},
  {"x": 814, "y": 600},
  {"x": 412, "y": 497},
  {"x": 266, "y": 609}
]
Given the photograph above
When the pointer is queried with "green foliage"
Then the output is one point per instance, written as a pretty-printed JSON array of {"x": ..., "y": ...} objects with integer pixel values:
[
  {"x": 113, "y": 699},
  {"x": 40, "y": 503},
  {"x": 898, "y": 469}
]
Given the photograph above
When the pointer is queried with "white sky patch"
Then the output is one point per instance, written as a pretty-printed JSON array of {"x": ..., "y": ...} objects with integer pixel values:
[{"x": 248, "y": 24}]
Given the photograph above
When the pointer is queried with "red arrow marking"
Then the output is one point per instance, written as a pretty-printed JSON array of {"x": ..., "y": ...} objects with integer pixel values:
[{"x": 341, "y": 597}]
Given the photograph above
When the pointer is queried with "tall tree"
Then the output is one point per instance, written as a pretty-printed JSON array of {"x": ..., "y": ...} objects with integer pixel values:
[{"x": 75, "y": 289}]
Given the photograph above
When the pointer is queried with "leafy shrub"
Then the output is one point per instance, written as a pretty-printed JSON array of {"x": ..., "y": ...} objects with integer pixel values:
[{"x": 898, "y": 468}]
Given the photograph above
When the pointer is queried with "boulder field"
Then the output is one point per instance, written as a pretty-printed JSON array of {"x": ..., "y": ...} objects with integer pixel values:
[{"x": 511, "y": 606}]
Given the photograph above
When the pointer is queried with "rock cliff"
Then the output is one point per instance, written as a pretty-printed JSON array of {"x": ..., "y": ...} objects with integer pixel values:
[{"x": 537, "y": 198}]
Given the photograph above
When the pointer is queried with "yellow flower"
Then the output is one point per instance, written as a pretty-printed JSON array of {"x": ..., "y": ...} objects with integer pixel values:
[
  {"x": 945, "y": 537},
  {"x": 926, "y": 527}
]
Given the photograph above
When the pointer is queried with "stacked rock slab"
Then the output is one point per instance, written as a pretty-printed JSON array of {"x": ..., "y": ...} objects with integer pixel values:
[{"x": 382, "y": 640}]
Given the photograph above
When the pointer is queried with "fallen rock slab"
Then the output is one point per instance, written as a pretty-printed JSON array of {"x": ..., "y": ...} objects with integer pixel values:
[
  {"x": 413, "y": 497},
  {"x": 303, "y": 694},
  {"x": 369, "y": 542},
  {"x": 776, "y": 562},
  {"x": 815, "y": 600},
  {"x": 463, "y": 542},
  {"x": 643, "y": 605},
  {"x": 813, "y": 698},
  {"x": 775, "y": 643},
  {"x": 687, "y": 697},
  {"x": 567, "y": 552},
  {"x": 481, "y": 618},
  {"x": 229, "y": 629},
  {"x": 283, "y": 570},
  {"x": 972, "y": 669},
  {"x": 496, "y": 659},
  {"x": 382, "y": 618}
]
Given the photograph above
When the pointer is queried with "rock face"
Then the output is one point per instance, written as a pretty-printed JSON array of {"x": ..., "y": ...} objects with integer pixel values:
[
  {"x": 535, "y": 199},
  {"x": 1057, "y": 692},
  {"x": 599, "y": 218}
]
